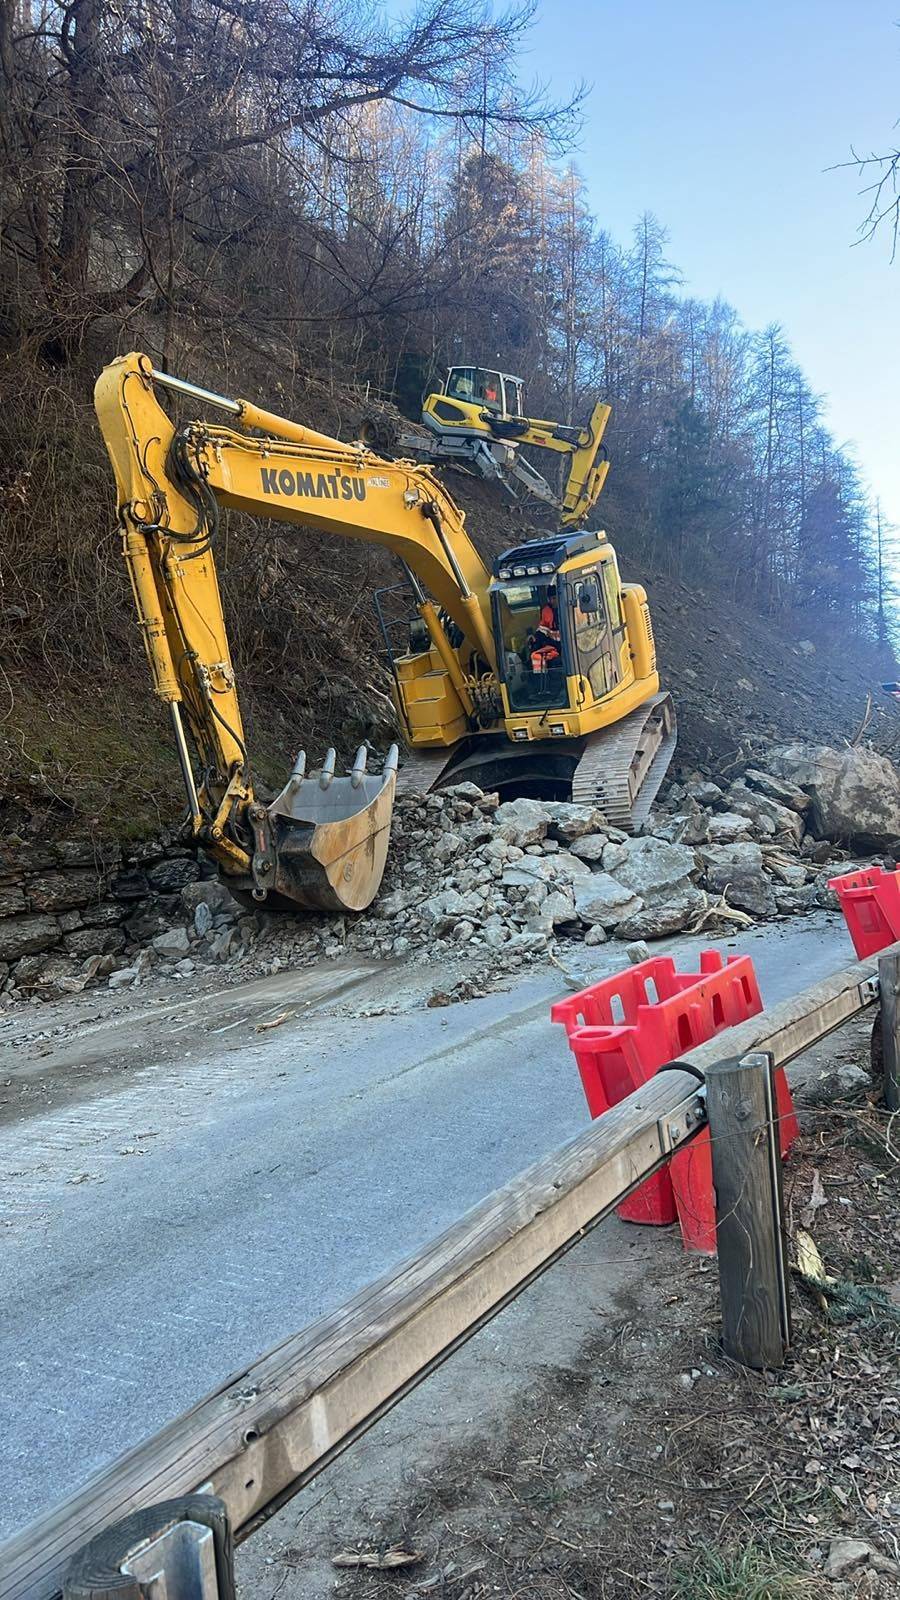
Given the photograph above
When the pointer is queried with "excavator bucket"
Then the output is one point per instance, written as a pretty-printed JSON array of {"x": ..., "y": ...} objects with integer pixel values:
[{"x": 329, "y": 835}]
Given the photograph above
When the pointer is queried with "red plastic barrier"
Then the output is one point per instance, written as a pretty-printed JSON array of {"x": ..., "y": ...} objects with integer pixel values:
[
  {"x": 623, "y": 1029},
  {"x": 870, "y": 901}
]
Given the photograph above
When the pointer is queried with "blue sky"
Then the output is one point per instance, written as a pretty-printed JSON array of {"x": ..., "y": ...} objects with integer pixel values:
[{"x": 722, "y": 119}]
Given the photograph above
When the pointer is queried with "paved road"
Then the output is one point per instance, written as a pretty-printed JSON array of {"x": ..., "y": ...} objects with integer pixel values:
[{"x": 210, "y": 1188}]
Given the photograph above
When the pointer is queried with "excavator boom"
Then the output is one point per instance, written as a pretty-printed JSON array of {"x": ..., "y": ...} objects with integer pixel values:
[{"x": 323, "y": 843}]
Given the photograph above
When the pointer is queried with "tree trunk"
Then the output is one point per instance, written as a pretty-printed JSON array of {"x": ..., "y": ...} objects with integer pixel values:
[{"x": 81, "y": 156}]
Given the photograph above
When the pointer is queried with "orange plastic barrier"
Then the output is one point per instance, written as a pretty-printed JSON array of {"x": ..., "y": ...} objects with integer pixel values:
[
  {"x": 870, "y": 901},
  {"x": 623, "y": 1029}
]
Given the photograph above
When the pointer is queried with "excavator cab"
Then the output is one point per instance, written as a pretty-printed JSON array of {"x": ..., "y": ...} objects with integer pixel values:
[
  {"x": 576, "y": 665},
  {"x": 474, "y": 401},
  {"x": 559, "y": 622},
  {"x": 480, "y": 388}
]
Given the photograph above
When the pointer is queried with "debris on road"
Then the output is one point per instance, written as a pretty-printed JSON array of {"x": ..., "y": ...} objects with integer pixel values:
[
  {"x": 274, "y": 1022},
  {"x": 397, "y": 1555},
  {"x": 496, "y": 884}
]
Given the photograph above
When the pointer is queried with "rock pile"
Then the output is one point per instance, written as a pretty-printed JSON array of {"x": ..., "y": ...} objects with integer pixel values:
[
  {"x": 504, "y": 883},
  {"x": 497, "y": 884}
]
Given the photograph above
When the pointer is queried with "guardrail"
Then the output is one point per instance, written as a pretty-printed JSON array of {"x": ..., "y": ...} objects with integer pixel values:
[{"x": 263, "y": 1435}]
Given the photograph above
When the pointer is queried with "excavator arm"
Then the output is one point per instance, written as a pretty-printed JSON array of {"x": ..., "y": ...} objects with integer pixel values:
[
  {"x": 466, "y": 430},
  {"x": 587, "y": 467},
  {"x": 171, "y": 485}
]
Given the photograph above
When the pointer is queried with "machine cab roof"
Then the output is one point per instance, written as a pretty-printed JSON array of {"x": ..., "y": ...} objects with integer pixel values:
[{"x": 547, "y": 554}]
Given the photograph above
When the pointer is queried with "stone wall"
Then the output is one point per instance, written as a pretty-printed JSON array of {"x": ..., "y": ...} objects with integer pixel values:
[{"x": 77, "y": 909}]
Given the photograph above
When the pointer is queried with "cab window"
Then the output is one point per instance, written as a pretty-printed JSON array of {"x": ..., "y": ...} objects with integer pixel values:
[
  {"x": 532, "y": 645},
  {"x": 461, "y": 383},
  {"x": 612, "y": 594},
  {"x": 512, "y": 397},
  {"x": 491, "y": 390},
  {"x": 596, "y": 626}
]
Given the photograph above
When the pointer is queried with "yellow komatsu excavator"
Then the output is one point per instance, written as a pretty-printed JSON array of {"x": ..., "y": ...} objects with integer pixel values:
[
  {"x": 477, "y": 419},
  {"x": 538, "y": 677}
]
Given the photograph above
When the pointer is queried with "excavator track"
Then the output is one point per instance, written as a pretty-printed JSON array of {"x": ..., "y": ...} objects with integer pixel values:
[
  {"x": 421, "y": 771},
  {"x": 623, "y": 766}
]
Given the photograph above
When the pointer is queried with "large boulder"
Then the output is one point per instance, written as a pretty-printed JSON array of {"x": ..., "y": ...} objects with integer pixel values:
[
  {"x": 94, "y": 941},
  {"x": 736, "y": 871},
  {"x": 171, "y": 875},
  {"x": 12, "y": 899},
  {"x": 556, "y": 908},
  {"x": 51, "y": 974},
  {"x": 60, "y": 891},
  {"x": 728, "y": 826},
  {"x": 570, "y": 821},
  {"x": 688, "y": 825},
  {"x": 787, "y": 794},
  {"x": 661, "y": 874},
  {"x": 655, "y": 869},
  {"x": 600, "y": 900},
  {"x": 172, "y": 943},
  {"x": 590, "y": 847},
  {"x": 855, "y": 793},
  {"x": 522, "y": 822},
  {"x": 557, "y": 871},
  {"x": 25, "y": 936},
  {"x": 105, "y": 914},
  {"x": 678, "y": 910}
]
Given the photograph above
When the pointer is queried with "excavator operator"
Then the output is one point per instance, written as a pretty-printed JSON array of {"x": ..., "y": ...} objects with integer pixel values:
[{"x": 544, "y": 643}]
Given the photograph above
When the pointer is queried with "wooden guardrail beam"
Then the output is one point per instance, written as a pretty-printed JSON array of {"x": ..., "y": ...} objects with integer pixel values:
[
  {"x": 256, "y": 1440},
  {"x": 266, "y": 1432}
]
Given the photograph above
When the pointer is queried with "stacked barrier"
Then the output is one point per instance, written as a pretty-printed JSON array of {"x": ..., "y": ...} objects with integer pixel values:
[{"x": 623, "y": 1029}]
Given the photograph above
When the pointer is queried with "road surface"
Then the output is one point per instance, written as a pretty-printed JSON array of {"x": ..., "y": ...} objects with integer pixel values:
[{"x": 179, "y": 1190}]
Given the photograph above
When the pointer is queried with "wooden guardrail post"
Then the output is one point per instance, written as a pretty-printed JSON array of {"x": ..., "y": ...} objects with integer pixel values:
[
  {"x": 889, "y": 984},
  {"x": 180, "y": 1549},
  {"x": 746, "y": 1158}
]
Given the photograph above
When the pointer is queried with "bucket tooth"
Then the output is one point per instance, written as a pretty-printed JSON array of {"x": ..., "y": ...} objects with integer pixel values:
[
  {"x": 298, "y": 772},
  {"x": 358, "y": 770},
  {"x": 326, "y": 776}
]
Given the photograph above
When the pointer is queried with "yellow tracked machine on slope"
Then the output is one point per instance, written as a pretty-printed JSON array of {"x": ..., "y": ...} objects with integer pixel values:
[
  {"x": 538, "y": 677},
  {"x": 477, "y": 421}
]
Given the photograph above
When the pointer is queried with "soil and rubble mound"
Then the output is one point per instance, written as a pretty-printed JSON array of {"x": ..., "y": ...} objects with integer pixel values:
[{"x": 497, "y": 884}]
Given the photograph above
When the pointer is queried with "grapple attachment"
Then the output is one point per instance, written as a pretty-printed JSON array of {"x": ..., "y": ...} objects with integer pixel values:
[{"x": 322, "y": 844}]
